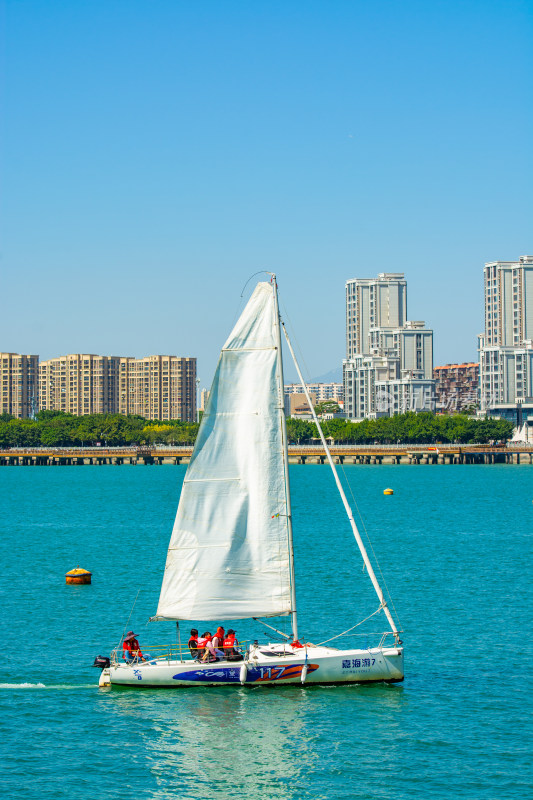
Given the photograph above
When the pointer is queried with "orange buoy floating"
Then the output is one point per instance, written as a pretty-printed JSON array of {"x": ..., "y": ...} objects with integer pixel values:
[
  {"x": 78, "y": 575},
  {"x": 388, "y": 491}
]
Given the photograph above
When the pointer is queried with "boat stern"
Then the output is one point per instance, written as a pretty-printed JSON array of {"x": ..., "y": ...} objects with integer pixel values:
[
  {"x": 105, "y": 678},
  {"x": 393, "y": 658}
]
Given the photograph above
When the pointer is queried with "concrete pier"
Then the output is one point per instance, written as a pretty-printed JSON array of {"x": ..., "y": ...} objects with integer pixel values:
[{"x": 298, "y": 454}]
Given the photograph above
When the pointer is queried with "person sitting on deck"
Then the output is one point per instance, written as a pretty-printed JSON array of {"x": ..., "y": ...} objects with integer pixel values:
[
  {"x": 218, "y": 642},
  {"x": 193, "y": 644},
  {"x": 205, "y": 645},
  {"x": 230, "y": 647},
  {"x": 131, "y": 650}
]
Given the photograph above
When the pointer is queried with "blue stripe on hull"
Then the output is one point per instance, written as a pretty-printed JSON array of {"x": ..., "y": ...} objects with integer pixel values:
[{"x": 275, "y": 672}]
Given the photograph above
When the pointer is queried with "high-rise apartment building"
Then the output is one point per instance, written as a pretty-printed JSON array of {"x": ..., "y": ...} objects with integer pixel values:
[
  {"x": 155, "y": 387},
  {"x": 79, "y": 384},
  {"x": 389, "y": 360},
  {"x": 18, "y": 384},
  {"x": 506, "y": 346},
  {"x": 158, "y": 387},
  {"x": 371, "y": 304}
]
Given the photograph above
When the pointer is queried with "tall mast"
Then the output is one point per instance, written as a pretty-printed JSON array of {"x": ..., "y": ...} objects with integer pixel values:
[
  {"x": 356, "y": 533},
  {"x": 281, "y": 390}
]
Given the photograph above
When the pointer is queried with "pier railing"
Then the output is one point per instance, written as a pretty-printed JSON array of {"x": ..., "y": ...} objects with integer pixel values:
[
  {"x": 304, "y": 453},
  {"x": 293, "y": 448}
]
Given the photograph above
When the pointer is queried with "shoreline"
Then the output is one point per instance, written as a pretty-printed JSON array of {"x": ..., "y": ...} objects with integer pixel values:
[{"x": 298, "y": 454}]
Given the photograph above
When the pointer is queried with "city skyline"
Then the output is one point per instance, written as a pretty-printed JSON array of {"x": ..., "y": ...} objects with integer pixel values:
[
  {"x": 394, "y": 305},
  {"x": 155, "y": 157},
  {"x": 314, "y": 373}
]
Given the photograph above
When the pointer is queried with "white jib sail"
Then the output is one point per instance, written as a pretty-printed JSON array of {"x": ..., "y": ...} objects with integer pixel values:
[{"x": 228, "y": 556}]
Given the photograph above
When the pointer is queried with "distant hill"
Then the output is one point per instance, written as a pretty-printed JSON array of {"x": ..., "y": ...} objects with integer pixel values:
[{"x": 333, "y": 376}]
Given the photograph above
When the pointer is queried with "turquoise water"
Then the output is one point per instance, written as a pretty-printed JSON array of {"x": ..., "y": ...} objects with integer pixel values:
[{"x": 454, "y": 544}]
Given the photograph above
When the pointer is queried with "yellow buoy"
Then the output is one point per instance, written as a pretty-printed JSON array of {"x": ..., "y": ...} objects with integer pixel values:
[
  {"x": 388, "y": 491},
  {"x": 78, "y": 575}
]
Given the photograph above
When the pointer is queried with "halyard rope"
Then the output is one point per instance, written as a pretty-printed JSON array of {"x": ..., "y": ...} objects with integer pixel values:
[
  {"x": 352, "y": 628},
  {"x": 347, "y": 483},
  {"x": 128, "y": 621}
]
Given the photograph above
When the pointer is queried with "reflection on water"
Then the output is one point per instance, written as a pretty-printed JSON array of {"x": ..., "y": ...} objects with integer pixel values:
[{"x": 229, "y": 741}]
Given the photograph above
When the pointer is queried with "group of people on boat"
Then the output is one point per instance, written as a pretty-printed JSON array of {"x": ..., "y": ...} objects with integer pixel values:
[{"x": 223, "y": 646}]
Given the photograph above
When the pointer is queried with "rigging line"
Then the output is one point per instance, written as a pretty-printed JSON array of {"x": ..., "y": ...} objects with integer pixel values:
[
  {"x": 240, "y": 304},
  {"x": 256, "y": 619},
  {"x": 378, "y": 609},
  {"x": 259, "y": 272},
  {"x": 128, "y": 620},
  {"x": 295, "y": 339},
  {"x": 369, "y": 540},
  {"x": 325, "y": 424},
  {"x": 285, "y": 465}
]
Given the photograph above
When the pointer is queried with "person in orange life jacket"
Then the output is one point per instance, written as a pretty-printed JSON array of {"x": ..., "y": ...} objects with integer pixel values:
[
  {"x": 193, "y": 643},
  {"x": 205, "y": 644},
  {"x": 131, "y": 649},
  {"x": 218, "y": 642},
  {"x": 230, "y": 647}
]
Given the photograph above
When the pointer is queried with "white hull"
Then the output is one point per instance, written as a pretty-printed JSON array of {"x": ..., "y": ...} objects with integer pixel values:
[{"x": 312, "y": 665}]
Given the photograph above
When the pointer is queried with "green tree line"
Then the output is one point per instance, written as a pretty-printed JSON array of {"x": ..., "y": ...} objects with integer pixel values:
[
  {"x": 410, "y": 428},
  {"x": 57, "y": 429}
]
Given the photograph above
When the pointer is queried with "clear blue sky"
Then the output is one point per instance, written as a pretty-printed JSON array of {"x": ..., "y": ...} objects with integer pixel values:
[{"x": 157, "y": 153}]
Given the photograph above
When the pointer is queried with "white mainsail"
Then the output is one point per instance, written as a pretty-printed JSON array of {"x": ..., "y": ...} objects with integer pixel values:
[{"x": 228, "y": 556}]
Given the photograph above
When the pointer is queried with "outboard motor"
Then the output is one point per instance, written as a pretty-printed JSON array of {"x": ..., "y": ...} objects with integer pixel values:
[{"x": 102, "y": 662}]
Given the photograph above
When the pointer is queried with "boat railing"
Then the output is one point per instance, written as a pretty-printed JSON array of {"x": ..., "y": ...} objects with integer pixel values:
[
  {"x": 164, "y": 653},
  {"x": 172, "y": 652},
  {"x": 159, "y": 653},
  {"x": 367, "y": 637}
]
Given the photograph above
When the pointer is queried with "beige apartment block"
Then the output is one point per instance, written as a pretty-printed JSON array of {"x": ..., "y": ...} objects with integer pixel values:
[
  {"x": 79, "y": 383},
  {"x": 158, "y": 387},
  {"x": 18, "y": 384},
  {"x": 155, "y": 387}
]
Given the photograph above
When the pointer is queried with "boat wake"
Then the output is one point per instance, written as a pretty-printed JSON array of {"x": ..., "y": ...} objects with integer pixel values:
[
  {"x": 22, "y": 686},
  {"x": 46, "y": 686}
]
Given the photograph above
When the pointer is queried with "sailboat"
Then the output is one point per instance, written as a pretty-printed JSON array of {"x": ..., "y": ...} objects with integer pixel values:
[{"x": 231, "y": 550}]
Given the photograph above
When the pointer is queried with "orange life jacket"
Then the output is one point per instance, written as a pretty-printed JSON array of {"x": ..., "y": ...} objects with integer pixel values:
[{"x": 132, "y": 646}]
